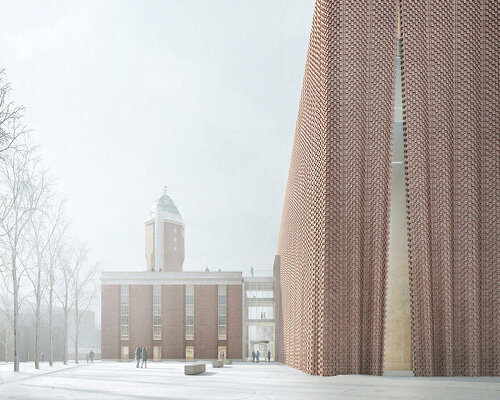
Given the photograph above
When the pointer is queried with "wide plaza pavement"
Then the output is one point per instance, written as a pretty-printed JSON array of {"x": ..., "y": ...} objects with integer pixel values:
[{"x": 166, "y": 380}]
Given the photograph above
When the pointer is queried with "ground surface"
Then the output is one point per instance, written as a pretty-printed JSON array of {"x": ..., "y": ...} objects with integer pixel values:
[{"x": 166, "y": 380}]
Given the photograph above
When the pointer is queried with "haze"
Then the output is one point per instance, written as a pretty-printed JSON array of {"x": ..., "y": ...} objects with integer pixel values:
[{"x": 125, "y": 97}]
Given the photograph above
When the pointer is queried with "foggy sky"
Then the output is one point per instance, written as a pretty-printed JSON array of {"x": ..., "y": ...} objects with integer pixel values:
[{"x": 125, "y": 97}]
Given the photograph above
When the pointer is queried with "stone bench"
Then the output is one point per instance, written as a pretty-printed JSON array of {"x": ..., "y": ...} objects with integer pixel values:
[
  {"x": 228, "y": 362},
  {"x": 194, "y": 369},
  {"x": 218, "y": 363}
]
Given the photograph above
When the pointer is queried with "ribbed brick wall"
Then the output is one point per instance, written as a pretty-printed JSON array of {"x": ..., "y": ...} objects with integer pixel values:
[
  {"x": 141, "y": 318},
  {"x": 333, "y": 236},
  {"x": 452, "y": 128},
  {"x": 173, "y": 333},
  {"x": 205, "y": 322}
]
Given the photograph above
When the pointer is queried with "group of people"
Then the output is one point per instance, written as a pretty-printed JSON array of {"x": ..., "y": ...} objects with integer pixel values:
[
  {"x": 90, "y": 356},
  {"x": 141, "y": 353},
  {"x": 256, "y": 356}
]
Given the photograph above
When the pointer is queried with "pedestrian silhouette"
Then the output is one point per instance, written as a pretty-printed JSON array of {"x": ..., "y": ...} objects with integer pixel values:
[
  {"x": 138, "y": 352},
  {"x": 144, "y": 357}
]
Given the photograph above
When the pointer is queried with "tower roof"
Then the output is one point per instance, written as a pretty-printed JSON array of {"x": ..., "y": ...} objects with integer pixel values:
[{"x": 165, "y": 208}]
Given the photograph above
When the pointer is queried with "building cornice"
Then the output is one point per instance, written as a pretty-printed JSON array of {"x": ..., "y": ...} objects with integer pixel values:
[
  {"x": 171, "y": 278},
  {"x": 264, "y": 279}
]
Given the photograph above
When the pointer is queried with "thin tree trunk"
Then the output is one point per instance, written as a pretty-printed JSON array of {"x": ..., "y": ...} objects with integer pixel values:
[
  {"x": 51, "y": 357},
  {"x": 65, "y": 350},
  {"x": 37, "y": 319},
  {"x": 16, "y": 355},
  {"x": 16, "y": 305},
  {"x": 76, "y": 332}
]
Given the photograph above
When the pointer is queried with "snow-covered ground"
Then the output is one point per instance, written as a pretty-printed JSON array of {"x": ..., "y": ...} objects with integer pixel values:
[
  {"x": 166, "y": 380},
  {"x": 27, "y": 370}
]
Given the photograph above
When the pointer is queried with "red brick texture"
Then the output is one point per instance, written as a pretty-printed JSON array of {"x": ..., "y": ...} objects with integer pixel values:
[
  {"x": 173, "y": 321},
  {"x": 334, "y": 230},
  {"x": 173, "y": 333},
  {"x": 234, "y": 327},
  {"x": 141, "y": 318},
  {"x": 110, "y": 322},
  {"x": 173, "y": 238},
  {"x": 173, "y": 259},
  {"x": 452, "y": 118},
  {"x": 205, "y": 322}
]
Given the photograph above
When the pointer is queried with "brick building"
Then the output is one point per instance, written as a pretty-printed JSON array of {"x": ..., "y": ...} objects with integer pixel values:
[
  {"x": 182, "y": 315},
  {"x": 179, "y": 315},
  {"x": 389, "y": 249}
]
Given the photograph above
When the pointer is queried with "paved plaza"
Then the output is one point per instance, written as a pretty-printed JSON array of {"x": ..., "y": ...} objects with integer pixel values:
[{"x": 166, "y": 380}]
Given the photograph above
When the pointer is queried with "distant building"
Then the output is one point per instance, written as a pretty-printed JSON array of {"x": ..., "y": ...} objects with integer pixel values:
[
  {"x": 183, "y": 315},
  {"x": 258, "y": 317},
  {"x": 164, "y": 237}
]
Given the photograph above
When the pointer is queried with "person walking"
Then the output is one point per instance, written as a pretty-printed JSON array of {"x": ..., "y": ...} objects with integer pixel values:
[
  {"x": 91, "y": 355},
  {"x": 257, "y": 356},
  {"x": 269, "y": 356},
  {"x": 138, "y": 352},
  {"x": 144, "y": 357},
  {"x": 253, "y": 357}
]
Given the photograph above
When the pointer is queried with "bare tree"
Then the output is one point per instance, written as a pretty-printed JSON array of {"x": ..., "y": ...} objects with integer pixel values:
[
  {"x": 64, "y": 279},
  {"x": 84, "y": 290},
  {"x": 11, "y": 118},
  {"x": 55, "y": 247},
  {"x": 44, "y": 224},
  {"x": 3, "y": 342},
  {"x": 21, "y": 194}
]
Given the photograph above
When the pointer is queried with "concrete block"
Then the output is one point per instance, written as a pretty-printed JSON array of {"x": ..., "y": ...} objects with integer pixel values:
[
  {"x": 228, "y": 362},
  {"x": 194, "y": 369},
  {"x": 218, "y": 363}
]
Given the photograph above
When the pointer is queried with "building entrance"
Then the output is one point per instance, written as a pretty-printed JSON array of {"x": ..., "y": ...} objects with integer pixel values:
[
  {"x": 222, "y": 353},
  {"x": 189, "y": 353},
  {"x": 157, "y": 353},
  {"x": 262, "y": 347}
]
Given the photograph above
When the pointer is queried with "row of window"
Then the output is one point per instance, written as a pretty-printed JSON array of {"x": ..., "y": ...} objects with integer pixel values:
[
  {"x": 189, "y": 312},
  {"x": 125, "y": 353},
  {"x": 175, "y": 238},
  {"x": 260, "y": 312},
  {"x": 124, "y": 312},
  {"x": 221, "y": 317},
  {"x": 157, "y": 314},
  {"x": 221, "y": 353}
]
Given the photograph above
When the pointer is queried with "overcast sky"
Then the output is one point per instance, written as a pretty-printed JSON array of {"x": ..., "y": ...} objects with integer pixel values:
[{"x": 125, "y": 97}]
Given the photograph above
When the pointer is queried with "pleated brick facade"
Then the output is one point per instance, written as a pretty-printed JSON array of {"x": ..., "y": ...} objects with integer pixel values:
[
  {"x": 452, "y": 129},
  {"x": 334, "y": 230}
]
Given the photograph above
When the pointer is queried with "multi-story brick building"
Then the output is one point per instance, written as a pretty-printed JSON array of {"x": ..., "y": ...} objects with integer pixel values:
[
  {"x": 180, "y": 315},
  {"x": 389, "y": 240}
]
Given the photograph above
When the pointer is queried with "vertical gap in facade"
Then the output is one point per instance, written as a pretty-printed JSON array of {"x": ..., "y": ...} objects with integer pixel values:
[{"x": 405, "y": 161}]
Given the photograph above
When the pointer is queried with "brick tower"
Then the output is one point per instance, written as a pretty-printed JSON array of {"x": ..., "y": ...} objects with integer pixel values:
[{"x": 164, "y": 236}]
